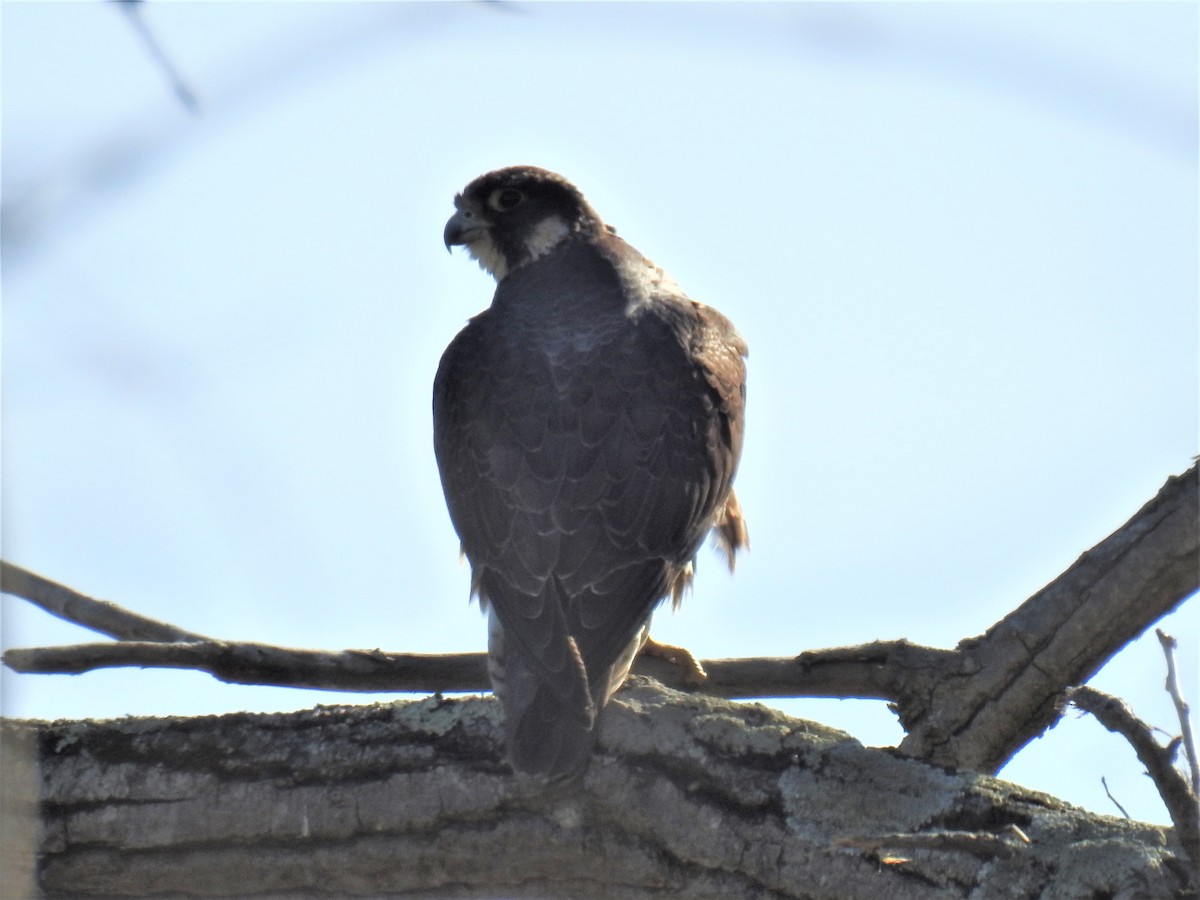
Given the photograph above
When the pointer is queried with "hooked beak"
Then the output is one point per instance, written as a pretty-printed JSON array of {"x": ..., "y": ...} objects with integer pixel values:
[{"x": 462, "y": 228}]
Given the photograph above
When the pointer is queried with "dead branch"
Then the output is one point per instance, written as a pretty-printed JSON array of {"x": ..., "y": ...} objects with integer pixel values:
[
  {"x": 263, "y": 664},
  {"x": 1176, "y": 792},
  {"x": 184, "y": 94},
  {"x": 1181, "y": 708},
  {"x": 96, "y": 615},
  {"x": 875, "y": 671}
]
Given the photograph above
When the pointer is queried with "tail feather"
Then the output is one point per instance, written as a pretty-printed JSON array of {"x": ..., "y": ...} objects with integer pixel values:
[
  {"x": 545, "y": 733},
  {"x": 545, "y": 739}
]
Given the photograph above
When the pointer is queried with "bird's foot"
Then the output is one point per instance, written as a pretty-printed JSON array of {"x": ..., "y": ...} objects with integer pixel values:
[{"x": 693, "y": 673}]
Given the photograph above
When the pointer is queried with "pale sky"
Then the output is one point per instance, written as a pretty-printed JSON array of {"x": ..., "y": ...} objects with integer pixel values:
[{"x": 960, "y": 240}]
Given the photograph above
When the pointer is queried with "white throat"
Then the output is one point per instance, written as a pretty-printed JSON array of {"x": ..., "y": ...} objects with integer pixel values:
[
  {"x": 490, "y": 259},
  {"x": 546, "y": 235}
]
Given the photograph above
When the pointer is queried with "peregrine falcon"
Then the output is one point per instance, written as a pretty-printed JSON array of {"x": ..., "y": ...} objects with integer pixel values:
[{"x": 587, "y": 427}]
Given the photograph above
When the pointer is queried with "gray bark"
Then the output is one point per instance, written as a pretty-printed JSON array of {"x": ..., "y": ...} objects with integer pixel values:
[
  {"x": 1006, "y": 687},
  {"x": 688, "y": 795}
]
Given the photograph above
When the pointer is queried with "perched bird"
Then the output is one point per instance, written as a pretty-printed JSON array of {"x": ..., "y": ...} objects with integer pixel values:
[{"x": 587, "y": 427}]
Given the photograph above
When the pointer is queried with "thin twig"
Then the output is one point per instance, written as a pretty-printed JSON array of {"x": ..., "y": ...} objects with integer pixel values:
[
  {"x": 1181, "y": 708},
  {"x": 185, "y": 95},
  {"x": 1115, "y": 801},
  {"x": 96, "y": 615}
]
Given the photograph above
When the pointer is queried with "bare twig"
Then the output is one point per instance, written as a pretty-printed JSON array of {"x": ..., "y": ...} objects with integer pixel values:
[
  {"x": 1174, "y": 789},
  {"x": 1115, "y": 801},
  {"x": 97, "y": 615},
  {"x": 185, "y": 95},
  {"x": 1185, "y": 720}
]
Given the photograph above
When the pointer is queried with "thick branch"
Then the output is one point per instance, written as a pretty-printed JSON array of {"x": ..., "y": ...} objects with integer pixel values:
[
  {"x": 1010, "y": 680},
  {"x": 688, "y": 796},
  {"x": 1176, "y": 792}
]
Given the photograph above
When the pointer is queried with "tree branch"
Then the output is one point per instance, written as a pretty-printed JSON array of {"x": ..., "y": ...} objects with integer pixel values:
[
  {"x": 185, "y": 95},
  {"x": 1008, "y": 683},
  {"x": 874, "y": 671},
  {"x": 1174, "y": 789},
  {"x": 96, "y": 615},
  {"x": 878, "y": 670},
  {"x": 1181, "y": 708},
  {"x": 248, "y": 663},
  {"x": 687, "y": 796}
]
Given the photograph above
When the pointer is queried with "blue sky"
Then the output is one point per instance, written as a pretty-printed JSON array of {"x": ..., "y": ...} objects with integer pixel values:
[{"x": 960, "y": 240}]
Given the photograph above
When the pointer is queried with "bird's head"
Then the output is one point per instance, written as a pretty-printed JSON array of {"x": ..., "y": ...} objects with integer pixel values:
[{"x": 513, "y": 216}]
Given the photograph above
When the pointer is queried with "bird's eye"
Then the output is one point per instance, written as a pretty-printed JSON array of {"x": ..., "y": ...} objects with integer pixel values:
[{"x": 505, "y": 199}]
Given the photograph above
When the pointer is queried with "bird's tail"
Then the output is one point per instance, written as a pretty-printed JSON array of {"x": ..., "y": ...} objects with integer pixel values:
[
  {"x": 546, "y": 733},
  {"x": 544, "y": 736},
  {"x": 547, "y": 740}
]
